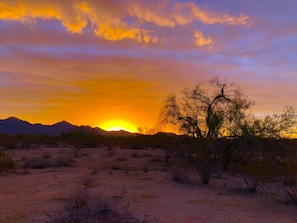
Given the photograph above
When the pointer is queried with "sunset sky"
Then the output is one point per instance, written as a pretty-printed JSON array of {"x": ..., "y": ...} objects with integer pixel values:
[{"x": 112, "y": 63}]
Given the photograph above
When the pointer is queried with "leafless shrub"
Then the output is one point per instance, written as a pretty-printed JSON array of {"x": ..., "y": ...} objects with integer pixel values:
[
  {"x": 63, "y": 160},
  {"x": 37, "y": 163},
  {"x": 289, "y": 193},
  {"x": 109, "y": 153},
  {"x": 135, "y": 155},
  {"x": 121, "y": 159},
  {"x": 252, "y": 182},
  {"x": 81, "y": 207},
  {"x": 75, "y": 150},
  {"x": 86, "y": 181},
  {"x": 6, "y": 162},
  {"x": 46, "y": 155},
  {"x": 94, "y": 172},
  {"x": 145, "y": 169},
  {"x": 256, "y": 173},
  {"x": 206, "y": 171},
  {"x": 179, "y": 175},
  {"x": 156, "y": 159}
]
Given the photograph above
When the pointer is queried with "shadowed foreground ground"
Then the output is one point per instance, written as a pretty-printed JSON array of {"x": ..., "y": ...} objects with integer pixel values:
[{"x": 143, "y": 183}]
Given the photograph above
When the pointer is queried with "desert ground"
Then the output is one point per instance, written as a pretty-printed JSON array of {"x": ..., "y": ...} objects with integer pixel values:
[{"x": 140, "y": 180}]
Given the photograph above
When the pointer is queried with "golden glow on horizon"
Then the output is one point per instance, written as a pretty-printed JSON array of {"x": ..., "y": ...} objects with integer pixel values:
[
  {"x": 111, "y": 63},
  {"x": 117, "y": 124}
]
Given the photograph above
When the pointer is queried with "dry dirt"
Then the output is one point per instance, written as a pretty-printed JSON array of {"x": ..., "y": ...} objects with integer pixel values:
[{"x": 143, "y": 181}]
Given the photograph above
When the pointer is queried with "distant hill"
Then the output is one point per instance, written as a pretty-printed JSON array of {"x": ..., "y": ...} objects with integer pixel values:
[{"x": 13, "y": 126}]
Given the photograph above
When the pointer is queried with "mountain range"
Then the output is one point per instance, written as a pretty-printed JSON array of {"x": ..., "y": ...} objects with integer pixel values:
[{"x": 13, "y": 126}]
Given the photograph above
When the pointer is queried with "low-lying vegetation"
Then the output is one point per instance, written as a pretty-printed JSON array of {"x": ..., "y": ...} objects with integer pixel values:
[
  {"x": 6, "y": 162},
  {"x": 80, "y": 206}
]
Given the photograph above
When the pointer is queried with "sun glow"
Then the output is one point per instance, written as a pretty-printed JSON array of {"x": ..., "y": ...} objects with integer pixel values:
[{"x": 117, "y": 125}]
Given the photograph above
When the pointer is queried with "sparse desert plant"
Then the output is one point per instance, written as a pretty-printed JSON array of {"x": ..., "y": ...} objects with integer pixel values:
[
  {"x": 289, "y": 192},
  {"x": 121, "y": 159},
  {"x": 94, "y": 172},
  {"x": 63, "y": 160},
  {"x": 135, "y": 155},
  {"x": 288, "y": 169},
  {"x": 145, "y": 169},
  {"x": 76, "y": 150},
  {"x": 156, "y": 159},
  {"x": 80, "y": 206},
  {"x": 38, "y": 163},
  {"x": 252, "y": 182},
  {"x": 6, "y": 163},
  {"x": 46, "y": 155},
  {"x": 86, "y": 181},
  {"x": 206, "y": 171},
  {"x": 109, "y": 153},
  {"x": 179, "y": 175},
  {"x": 256, "y": 173}
]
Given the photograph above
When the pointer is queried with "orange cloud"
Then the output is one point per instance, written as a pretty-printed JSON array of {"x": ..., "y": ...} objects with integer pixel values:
[
  {"x": 183, "y": 14},
  {"x": 75, "y": 17},
  {"x": 201, "y": 40},
  {"x": 108, "y": 20},
  {"x": 211, "y": 18}
]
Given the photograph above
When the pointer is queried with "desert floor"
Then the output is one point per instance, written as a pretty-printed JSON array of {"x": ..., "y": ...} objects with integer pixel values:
[{"x": 143, "y": 182}]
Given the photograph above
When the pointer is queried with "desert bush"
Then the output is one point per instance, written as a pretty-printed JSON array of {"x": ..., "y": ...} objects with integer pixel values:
[
  {"x": 75, "y": 150},
  {"x": 6, "y": 163},
  {"x": 288, "y": 169},
  {"x": 122, "y": 159},
  {"x": 37, "y": 163},
  {"x": 80, "y": 207},
  {"x": 179, "y": 175},
  {"x": 46, "y": 155},
  {"x": 63, "y": 160},
  {"x": 86, "y": 181},
  {"x": 145, "y": 169},
  {"x": 252, "y": 182},
  {"x": 256, "y": 173},
  {"x": 206, "y": 171},
  {"x": 156, "y": 159},
  {"x": 289, "y": 192},
  {"x": 94, "y": 172},
  {"x": 135, "y": 155}
]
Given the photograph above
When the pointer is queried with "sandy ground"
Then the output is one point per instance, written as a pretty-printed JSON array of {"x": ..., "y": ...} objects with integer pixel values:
[{"x": 143, "y": 181}]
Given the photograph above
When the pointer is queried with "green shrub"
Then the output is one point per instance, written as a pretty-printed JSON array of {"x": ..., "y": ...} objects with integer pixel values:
[{"x": 6, "y": 163}]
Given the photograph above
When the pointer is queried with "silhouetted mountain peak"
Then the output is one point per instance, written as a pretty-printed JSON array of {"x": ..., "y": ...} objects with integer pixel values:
[
  {"x": 14, "y": 119},
  {"x": 13, "y": 125},
  {"x": 62, "y": 123}
]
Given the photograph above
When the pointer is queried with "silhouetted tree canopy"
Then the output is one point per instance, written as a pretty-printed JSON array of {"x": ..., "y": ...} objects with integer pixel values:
[{"x": 216, "y": 111}]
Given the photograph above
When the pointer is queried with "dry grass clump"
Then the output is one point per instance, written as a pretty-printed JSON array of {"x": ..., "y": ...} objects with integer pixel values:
[
  {"x": 38, "y": 163},
  {"x": 6, "y": 162},
  {"x": 135, "y": 155},
  {"x": 63, "y": 160},
  {"x": 86, "y": 181},
  {"x": 290, "y": 192},
  {"x": 179, "y": 175},
  {"x": 45, "y": 161},
  {"x": 81, "y": 207},
  {"x": 206, "y": 171}
]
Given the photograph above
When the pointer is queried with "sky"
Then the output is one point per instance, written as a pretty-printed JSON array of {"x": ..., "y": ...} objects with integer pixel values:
[{"x": 112, "y": 63}]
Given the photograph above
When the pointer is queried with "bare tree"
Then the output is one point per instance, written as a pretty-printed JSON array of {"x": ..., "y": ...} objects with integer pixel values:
[
  {"x": 201, "y": 114},
  {"x": 218, "y": 112},
  {"x": 208, "y": 117}
]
